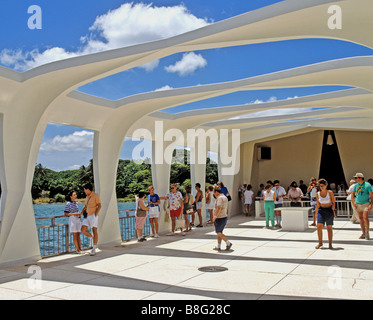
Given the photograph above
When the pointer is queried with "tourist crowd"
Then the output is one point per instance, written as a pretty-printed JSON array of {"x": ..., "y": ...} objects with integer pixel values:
[{"x": 183, "y": 209}]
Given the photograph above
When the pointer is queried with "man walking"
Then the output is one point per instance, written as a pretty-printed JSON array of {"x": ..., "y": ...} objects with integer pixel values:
[
  {"x": 220, "y": 218},
  {"x": 362, "y": 199},
  {"x": 92, "y": 206}
]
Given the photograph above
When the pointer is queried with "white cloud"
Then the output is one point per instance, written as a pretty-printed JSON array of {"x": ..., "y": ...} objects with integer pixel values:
[
  {"x": 73, "y": 167},
  {"x": 77, "y": 141},
  {"x": 189, "y": 63},
  {"x": 166, "y": 87},
  {"x": 127, "y": 25}
]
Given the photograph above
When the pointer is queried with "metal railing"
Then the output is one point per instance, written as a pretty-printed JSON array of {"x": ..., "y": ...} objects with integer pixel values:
[
  {"x": 55, "y": 238},
  {"x": 343, "y": 206}
]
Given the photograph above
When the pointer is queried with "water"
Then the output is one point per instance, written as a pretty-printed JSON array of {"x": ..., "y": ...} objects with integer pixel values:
[
  {"x": 55, "y": 210},
  {"x": 53, "y": 240}
]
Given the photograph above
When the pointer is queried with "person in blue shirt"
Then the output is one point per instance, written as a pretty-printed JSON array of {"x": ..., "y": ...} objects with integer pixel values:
[
  {"x": 154, "y": 210},
  {"x": 362, "y": 199}
]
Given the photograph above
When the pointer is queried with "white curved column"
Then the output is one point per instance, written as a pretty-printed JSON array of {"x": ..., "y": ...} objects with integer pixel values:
[
  {"x": 198, "y": 156},
  {"x": 20, "y": 136},
  {"x": 161, "y": 182},
  {"x": 107, "y": 147}
]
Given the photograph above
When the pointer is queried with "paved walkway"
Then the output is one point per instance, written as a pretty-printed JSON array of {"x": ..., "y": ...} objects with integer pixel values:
[{"x": 262, "y": 264}]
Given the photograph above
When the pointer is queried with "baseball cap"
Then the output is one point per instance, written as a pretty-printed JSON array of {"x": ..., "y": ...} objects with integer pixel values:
[{"x": 359, "y": 175}]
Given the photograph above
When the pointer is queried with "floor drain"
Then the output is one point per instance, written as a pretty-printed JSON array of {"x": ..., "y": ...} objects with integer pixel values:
[{"x": 212, "y": 269}]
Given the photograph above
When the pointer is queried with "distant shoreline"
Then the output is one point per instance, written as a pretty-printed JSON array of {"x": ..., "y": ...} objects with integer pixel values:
[{"x": 41, "y": 201}]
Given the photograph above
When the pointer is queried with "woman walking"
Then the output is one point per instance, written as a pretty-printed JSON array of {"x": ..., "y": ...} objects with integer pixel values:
[
  {"x": 269, "y": 198},
  {"x": 325, "y": 212},
  {"x": 153, "y": 204},
  {"x": 188, "y": 208},
  {"x": 141, "y": 214},
  {"x": 72, "y": 211},
  {"x": 198, "y": 204}
]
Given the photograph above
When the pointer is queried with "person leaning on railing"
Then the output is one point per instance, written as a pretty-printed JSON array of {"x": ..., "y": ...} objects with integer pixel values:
[
  {"x": 92, "y": 207},
  {"x": 72, "y": 211},
  {"x": 295, "y": 195}
]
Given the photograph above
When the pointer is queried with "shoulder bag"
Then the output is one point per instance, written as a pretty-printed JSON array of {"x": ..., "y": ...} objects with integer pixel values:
[{"x": 140, "y": 213}]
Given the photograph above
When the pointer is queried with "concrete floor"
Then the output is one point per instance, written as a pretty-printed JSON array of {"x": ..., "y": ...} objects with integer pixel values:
[{"x": 262, "y": 264}]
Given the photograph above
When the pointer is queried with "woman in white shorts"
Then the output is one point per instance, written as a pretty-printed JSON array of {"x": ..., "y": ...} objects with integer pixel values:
[
  {"x": 210, "y": 202},
  {"x": 72, "y": 211},
  {"x": 154, "y": 210}
]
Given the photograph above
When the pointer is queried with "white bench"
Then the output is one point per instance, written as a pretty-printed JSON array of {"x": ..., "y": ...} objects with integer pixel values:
[{"x": 295, "y": 218}]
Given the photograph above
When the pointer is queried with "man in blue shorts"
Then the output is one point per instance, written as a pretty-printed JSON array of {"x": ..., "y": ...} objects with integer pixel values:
[{"x": 220, "y": 218}]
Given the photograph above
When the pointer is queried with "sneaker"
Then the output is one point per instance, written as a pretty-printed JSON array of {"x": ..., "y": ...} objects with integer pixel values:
[
  {"x": 156, "y": 235},
  {"x": 216, "y": 249},
  {"x": 362, "y": 236},
  {"x": 228, "y": 246},
  {"x": 93, "y": 252},
  {"x": 171, "y": 234}
]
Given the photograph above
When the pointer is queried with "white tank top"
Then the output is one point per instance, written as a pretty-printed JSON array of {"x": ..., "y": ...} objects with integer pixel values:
[{"x": 325, "y": 200}]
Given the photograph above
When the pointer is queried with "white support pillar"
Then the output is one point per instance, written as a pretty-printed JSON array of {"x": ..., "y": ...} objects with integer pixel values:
[
  {"x": 161, "y": 183},
  {"x": 228, "y": 170},
  {"x": 107, "y": 147},
  {"x": 198, "y": 174},
  {"x": 19, "y": 150}
]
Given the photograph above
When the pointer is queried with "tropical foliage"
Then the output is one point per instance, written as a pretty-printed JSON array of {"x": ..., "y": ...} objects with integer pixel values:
[{"x": 132, "y": 177}]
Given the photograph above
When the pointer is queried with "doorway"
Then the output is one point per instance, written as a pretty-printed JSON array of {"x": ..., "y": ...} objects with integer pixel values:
[{"x": 331, "y": 167}]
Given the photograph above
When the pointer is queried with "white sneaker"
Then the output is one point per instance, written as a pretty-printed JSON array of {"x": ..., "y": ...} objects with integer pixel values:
[
  {"x": 156, "y": 235},
  {"x": 171, "y": 234},
  {"x": 93, "y": 252}
]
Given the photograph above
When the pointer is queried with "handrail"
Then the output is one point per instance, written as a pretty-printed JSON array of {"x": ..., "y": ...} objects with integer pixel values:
[{"x": 55, "y": 239}]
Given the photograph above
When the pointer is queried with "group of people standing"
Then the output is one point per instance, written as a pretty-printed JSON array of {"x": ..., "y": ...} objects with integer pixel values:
[
  {"x": 217, "y": 197},
  {"x": 90, "y": 212},
  {"x": 179, "y": 206},
  {"x": 322, "y": 202}
]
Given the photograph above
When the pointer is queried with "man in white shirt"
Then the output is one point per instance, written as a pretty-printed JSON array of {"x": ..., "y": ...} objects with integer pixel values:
[
  {"x": 280, "y": 195},
  {"x": 355, "y": 216}
]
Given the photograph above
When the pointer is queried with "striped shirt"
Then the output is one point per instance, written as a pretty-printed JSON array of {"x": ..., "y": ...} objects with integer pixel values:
[{"x": 71, "y": 207}]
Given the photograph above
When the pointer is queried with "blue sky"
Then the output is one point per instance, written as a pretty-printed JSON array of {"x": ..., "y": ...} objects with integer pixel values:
[{"x": 77, "y": 27}]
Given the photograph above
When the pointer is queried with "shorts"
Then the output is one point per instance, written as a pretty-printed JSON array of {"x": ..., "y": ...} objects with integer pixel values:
[
  {"x": 198, "y": 205},
  {"x": 278, "y": 205},
  {"x": 91, "y": 221},
  {"x": 220, "y": 224},
  {"x": 313, "y": 203},
  {"x": 153, "y": 212},
  {"x": 75, "y": 224},
  {"x": 140, "y": 222},
  {"x": 362, "y": 207},
  {"x": 175, "y": 213},
  {"x": 325, "y": 215}
]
